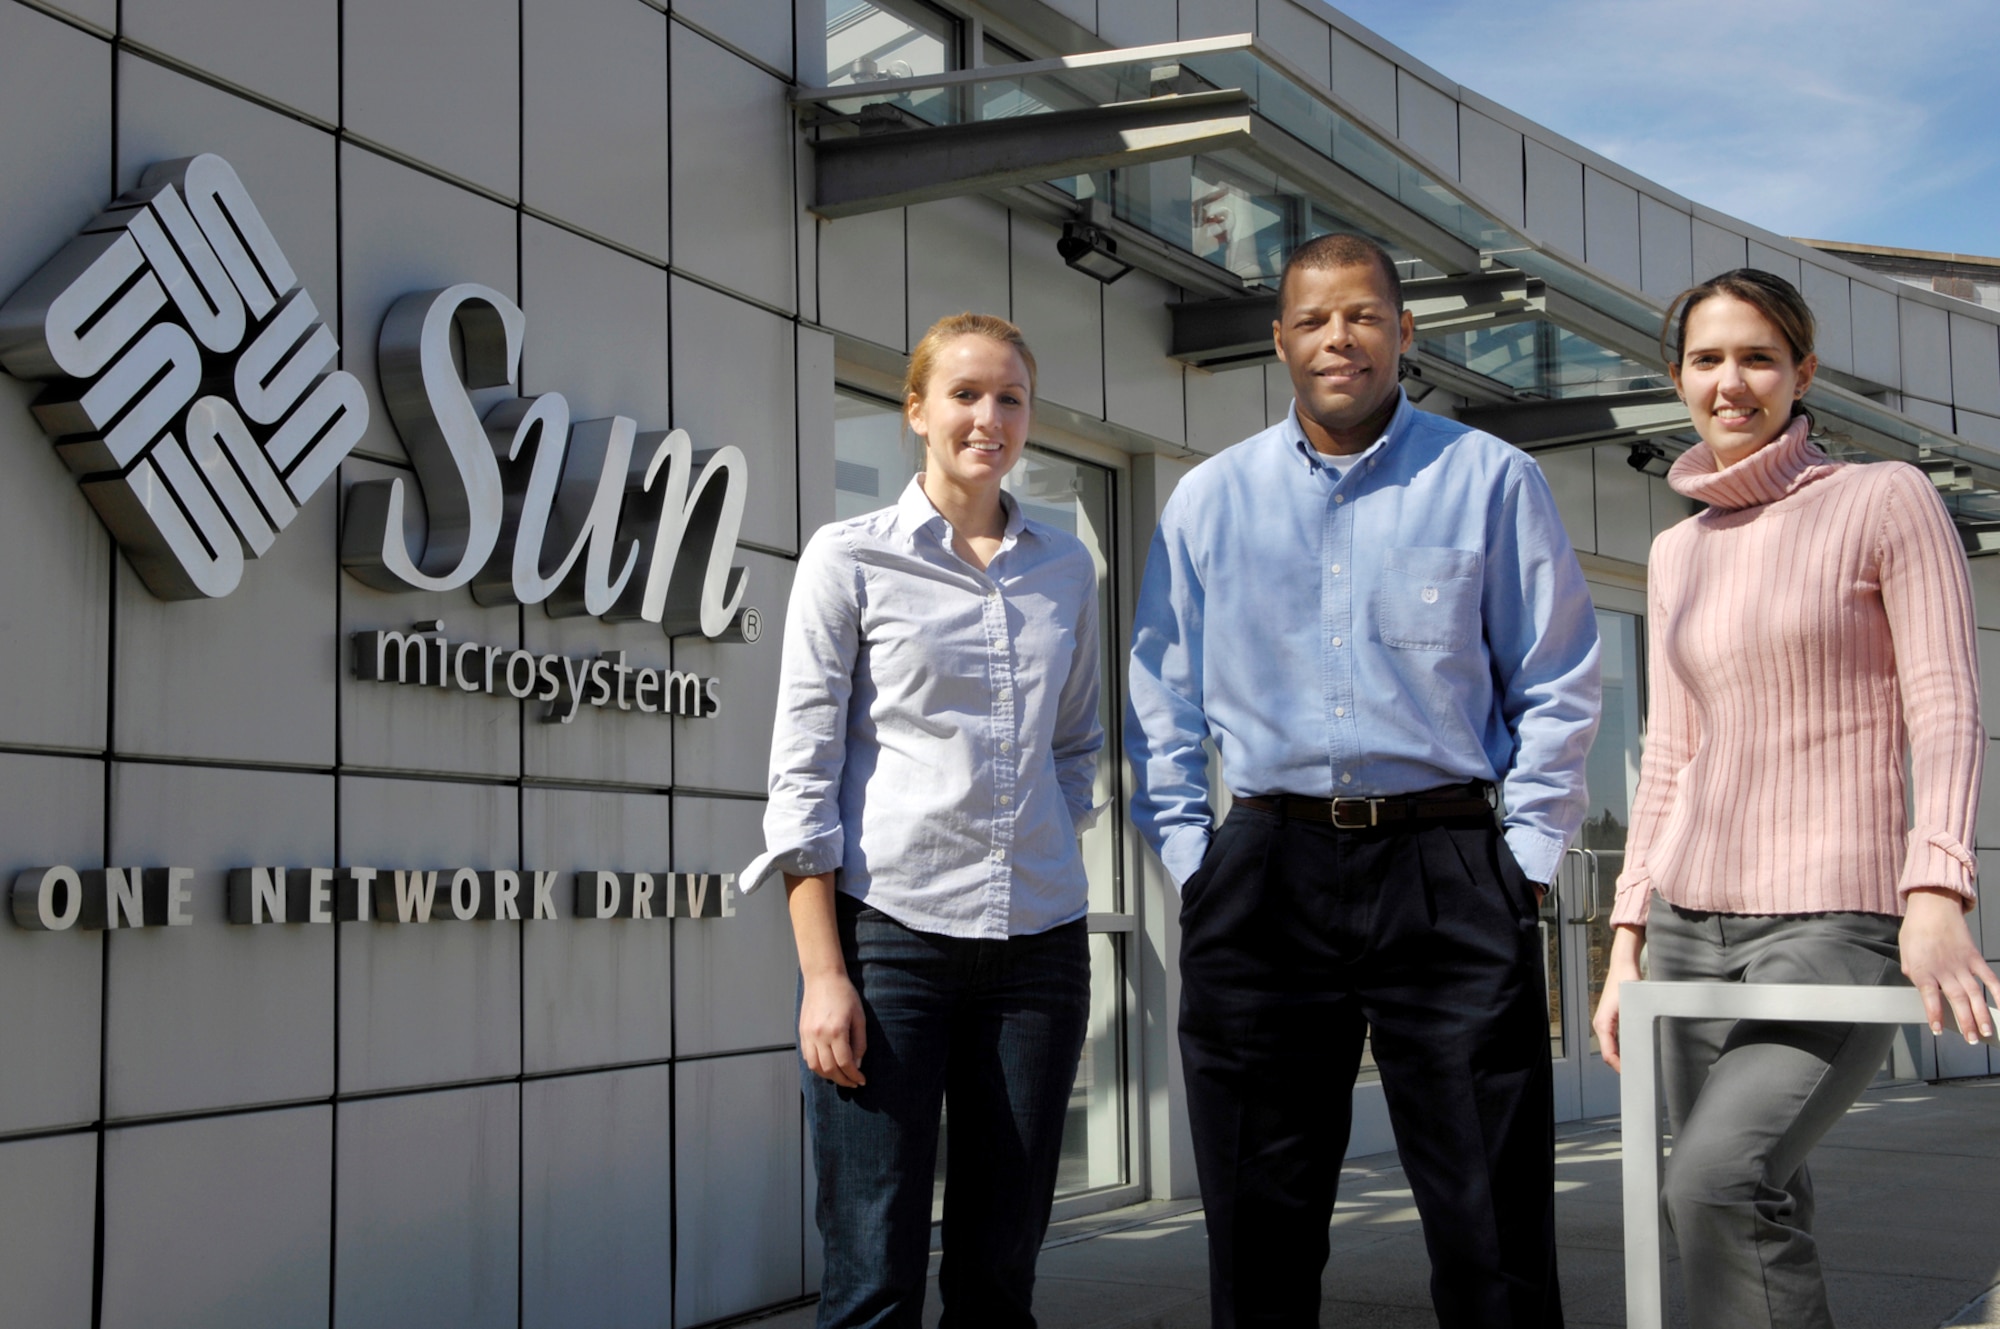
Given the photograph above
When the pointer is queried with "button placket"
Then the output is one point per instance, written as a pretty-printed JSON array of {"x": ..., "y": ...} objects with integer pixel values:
[
  {"x": 1000, "y": 669},
  {"x": 1337, "y": 662}
]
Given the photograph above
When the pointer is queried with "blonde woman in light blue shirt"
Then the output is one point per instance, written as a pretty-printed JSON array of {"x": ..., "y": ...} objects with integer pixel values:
[{"x": 931, "y": 767}]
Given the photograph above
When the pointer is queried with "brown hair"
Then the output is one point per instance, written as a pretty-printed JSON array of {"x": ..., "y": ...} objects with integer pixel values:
[
  {"x": 924, "y": 356},
  {"x": 1343, "y": 249},
  {"x": 1766, "y": 292}
]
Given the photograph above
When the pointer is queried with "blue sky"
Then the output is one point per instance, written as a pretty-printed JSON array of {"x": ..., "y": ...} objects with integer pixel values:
[{"x": 1874, "y": 121}]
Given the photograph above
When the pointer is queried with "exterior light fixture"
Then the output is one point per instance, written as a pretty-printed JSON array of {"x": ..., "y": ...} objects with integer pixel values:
[
  {"x": 1650, "y": 458},
  {"x": 1090, "y": 251}
]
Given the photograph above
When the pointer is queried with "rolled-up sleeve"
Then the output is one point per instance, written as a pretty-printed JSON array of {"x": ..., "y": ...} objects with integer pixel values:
[
  {"x": 1165, "y": 723},
  {"x": 802, "y": 827}
]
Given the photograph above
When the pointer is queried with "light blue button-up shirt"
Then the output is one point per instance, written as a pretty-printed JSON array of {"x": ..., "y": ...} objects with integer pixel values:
[
  {"x": 1418, "y": 621},
  {"x": 937, "y": 728}
]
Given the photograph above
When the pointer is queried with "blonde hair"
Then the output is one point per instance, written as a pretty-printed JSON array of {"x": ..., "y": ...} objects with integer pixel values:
[{"x": 924, "y": 357}]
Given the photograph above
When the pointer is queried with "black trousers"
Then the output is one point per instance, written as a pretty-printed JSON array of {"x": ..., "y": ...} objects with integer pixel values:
[{"x": 1297, "y": 939}]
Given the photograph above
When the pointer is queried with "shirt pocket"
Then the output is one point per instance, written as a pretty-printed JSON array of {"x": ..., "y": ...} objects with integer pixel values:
[{"x": 1430, "y": 599}]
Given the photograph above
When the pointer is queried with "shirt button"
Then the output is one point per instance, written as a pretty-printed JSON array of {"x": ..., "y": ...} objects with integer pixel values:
[
  {"x": 1347, "y": 777},
  {"x": 1007, "y": 746},
  {"x": 1336, "y": 641},
  {"x": 1336, "y": 569},
  {"x": 1003, "y": 692},
  {"x": 1340, "y": 710},
  {"x": 1006, "y": 800},
  {"x": 993, "y": 594},
  {"x": 1340, "y": 498}
]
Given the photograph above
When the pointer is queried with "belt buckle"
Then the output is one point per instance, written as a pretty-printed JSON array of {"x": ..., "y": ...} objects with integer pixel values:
[{"x": 1374, "y": 806}]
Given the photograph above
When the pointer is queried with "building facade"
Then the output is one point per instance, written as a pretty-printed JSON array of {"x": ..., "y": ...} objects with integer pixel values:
[{"x": 414, "y": 409}]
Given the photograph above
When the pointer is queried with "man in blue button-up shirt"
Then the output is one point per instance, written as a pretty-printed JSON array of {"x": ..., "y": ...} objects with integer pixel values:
[{"x": 1374, "y": 615}]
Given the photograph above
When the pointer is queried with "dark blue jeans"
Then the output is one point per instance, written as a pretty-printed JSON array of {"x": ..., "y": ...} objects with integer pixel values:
[{"x": 994, "y": 1028}]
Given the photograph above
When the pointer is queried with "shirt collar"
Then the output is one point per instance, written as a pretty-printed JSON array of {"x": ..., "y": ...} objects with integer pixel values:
[
  {"x": 1399, "y": 423},
  {"x": 915, "y": 512}
]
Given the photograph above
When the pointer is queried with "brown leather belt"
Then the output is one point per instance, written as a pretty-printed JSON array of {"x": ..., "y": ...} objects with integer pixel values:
[{"x": 1446, "y": 803}]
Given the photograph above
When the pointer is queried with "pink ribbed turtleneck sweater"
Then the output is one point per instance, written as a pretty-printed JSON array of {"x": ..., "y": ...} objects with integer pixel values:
[{"x": 1815, "y": 620}]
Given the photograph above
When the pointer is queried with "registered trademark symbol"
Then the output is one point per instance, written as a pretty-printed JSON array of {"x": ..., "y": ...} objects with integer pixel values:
[{"x": 753, "y": 625}]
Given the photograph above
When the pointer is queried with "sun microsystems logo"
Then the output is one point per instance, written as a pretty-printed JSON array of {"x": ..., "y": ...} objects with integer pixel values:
[{"x": 188, "y": 376}]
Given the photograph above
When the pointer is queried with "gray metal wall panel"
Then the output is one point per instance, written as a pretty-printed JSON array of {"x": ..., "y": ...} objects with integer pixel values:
[
  {"x": 286, "y": 50},
  {"x": 1937, "y": 415},
  {"x": 1427, "y": 122},
  {"x": 958, "y": 261},
  {"x": 1668, "y": 508},
  {"x": 285, "y": 164},
  {"x": 1216, "y": 18},
  {"x": 438, "y": 1002},
  {"x": 1365, "y": 80},
  {"x": 729, "y": 750},
  {"x": 733, "y": 134},
  {"x": 213, "y": 1015},
  {"x": 45, "y": 1246},
  {"x": 1989, "y": 682},
  {"x": 597, "y": 993},
  {"x": 1666, "y": 248},
  {"x": 1300, "y": 36},
  {"x": 1877, "y": 333},
  {"x": 1926, "y": 351},
  {"x": 1136, "y": 22},
  {"x": 223, "y": 1223},
  {"x": 55, "y": 626},
  {"x": 101, "y": 14},
  {"x": 1774, "y": 260},
  {"x": 1555, "y": 198},
  {"x": 439, "y": 81},
  {"x": 597, "y": 328},
  {"x": 597, "y": 1185},
  {"x": 1079, "y": 11},
  {"x": 1611, "y": 226},
  {"x": 1061, "y": 312},
  {"x": 1624, "y": 509},
  {"x": 1717, "y": 250},
  {"x": 403, "y": 231},
  {"x": 734, "y": 382},
  {"x": 760, "y": 28},
  {"x": 1142, "y": 387},
  {"x": 733, "y": 978},
  {"x": 1277, "y": 393},
  {"x": 861, "y": 281},
  {"x": 736, "y": 1163},
  {"x": 816, "y": 436},
  {"x": 249, "y": 677},
  {"x": 600, "y": 744},
  {"x": 51, "y": 983},
  {"x": 1572, "y": 478},
  {"x": 594, "y": 140},
  {"x": 1223, "y": 408},
  {"x": 56, "y": 100},
  {"x": 1975, "y": 365},
  {"x": 427, "y": 1232},
  {"x": 1826, "y": 292},
  {"x": 1978, "y": 427},
  {"x": 1490, "y": 164},
  {"x": 409, "y": 727}
]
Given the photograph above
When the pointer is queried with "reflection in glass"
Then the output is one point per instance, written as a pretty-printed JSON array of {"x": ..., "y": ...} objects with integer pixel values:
[
  {"x": 1538, "y": 359},
  {"x": 1614, "y": 778},
  {"x": 887, "y": 39}
]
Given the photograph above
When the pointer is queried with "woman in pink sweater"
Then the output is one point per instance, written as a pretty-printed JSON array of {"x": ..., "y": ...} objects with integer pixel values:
[{"x": 1805, "y": 631}]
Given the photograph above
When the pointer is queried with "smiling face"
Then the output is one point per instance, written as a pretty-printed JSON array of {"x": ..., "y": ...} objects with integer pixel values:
[
  {"x": 1339, "y": 334},
  {"x": 1738, "y": 377},
  {"x": 973, "y": 416}
]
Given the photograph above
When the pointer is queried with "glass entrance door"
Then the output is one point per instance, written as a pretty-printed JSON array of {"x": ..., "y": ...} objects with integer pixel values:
[{"x": 1576, "y": 915}]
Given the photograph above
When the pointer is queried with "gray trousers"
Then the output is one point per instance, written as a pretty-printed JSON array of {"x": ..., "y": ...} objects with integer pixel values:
[{"x": 1748, "y": 1100}]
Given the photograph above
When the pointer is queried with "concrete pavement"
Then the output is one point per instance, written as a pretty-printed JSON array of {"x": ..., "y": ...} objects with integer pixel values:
[{"x": 1909, "y": 1225}]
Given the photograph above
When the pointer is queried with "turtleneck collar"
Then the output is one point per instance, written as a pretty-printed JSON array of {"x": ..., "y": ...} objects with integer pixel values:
[{"x": 1786, "y": 464}]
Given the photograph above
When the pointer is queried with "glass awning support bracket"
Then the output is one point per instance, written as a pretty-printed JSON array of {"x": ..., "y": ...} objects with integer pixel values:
[
  {"x": 1538, "y": 427},
  {"x": 1215, "y": 334},
  {"x": 896, "y": 167}
]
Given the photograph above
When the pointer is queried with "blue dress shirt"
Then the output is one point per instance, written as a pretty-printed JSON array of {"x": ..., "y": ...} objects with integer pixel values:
[
  {"x": 937, "y": 729},
  {"x": 1419, "y": 621}
]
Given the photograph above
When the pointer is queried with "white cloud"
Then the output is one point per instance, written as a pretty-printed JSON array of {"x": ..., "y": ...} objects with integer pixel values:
[{"x": 1803, "y": 116}]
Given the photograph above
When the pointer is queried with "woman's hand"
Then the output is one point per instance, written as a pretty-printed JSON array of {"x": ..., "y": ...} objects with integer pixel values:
[
  {"x": 1939, "y": 957},
  {"x": 1623, "y": 965},
  {"x": 833, "y": 1030}
]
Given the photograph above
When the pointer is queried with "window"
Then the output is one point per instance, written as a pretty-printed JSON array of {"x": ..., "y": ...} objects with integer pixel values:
[{"x": 873, "y": 41}]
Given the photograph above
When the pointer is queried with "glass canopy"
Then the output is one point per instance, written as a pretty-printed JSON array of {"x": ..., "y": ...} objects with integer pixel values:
[{"x": 1237, "y": 158}]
